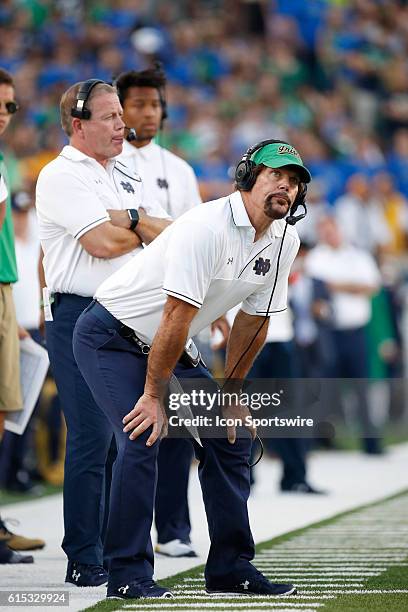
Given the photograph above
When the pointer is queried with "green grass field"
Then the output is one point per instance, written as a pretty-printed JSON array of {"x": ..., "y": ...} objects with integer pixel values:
[{"x": 356, "y": 561}]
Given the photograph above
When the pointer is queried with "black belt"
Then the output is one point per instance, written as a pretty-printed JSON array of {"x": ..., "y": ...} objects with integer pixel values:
[{"x": 189, "y": 359}]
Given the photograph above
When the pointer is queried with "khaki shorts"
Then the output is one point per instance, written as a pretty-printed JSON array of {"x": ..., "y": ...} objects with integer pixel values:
[{"x": 10, "y": 391}]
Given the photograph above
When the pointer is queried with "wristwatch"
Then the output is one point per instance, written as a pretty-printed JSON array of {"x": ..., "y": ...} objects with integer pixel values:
[{"x": 133, "y": 216}]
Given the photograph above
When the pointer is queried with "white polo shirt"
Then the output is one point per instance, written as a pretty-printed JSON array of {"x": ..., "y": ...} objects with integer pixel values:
[
  {"x": 209, "y": 259},
  {"x": 349, "y": 265},
  {"x": 167, "y": 179},
  {"x": 73, "y": 194}
]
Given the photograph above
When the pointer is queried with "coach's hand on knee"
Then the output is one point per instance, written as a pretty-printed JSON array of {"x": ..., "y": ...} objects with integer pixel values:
[
  {"x": 237, "y": 415},
  {"x": 147, "y": 412}
]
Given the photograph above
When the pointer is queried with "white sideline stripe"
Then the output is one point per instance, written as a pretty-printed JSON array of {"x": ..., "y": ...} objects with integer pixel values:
[
  {"x": 348, "y": 580},
  {"x": 328, "y": 573},
  {"x": 324, "y": 566},
  {"x": 306, "y": 583},
  {"x": 330, "y": 555},
  {"x": 365, "y": 591},
  {"x": 187, "y": 607},
  {"x": 305, "y": 589},
  {"x": 305, "y": 542},
  {"x": 247, "y": 604},
  {"x": 239, "y": 597},
  {"x": 346, "y": 549},
  {"x": 316, "y": 559}
]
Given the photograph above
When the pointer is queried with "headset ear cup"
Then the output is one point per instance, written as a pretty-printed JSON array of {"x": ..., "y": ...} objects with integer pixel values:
[
  {"x": 83, "y": 94},
  {"x": 163, "y": 103},
  {"x": 244, "y": 175},
  {"x": 241, "y": 172}
]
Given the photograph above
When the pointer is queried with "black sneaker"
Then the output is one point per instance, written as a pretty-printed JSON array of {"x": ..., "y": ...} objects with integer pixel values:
[
  {"x": 138, "y": 589},
  {"x": 15, "y": 557},
  {"x": 83, "y": 575},
  {"x": 302, "y": 487},
  {"x": 253, "y": 584}
]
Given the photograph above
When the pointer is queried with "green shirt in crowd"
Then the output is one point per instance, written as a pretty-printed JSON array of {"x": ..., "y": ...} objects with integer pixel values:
[{"x": 8, "y": 263}]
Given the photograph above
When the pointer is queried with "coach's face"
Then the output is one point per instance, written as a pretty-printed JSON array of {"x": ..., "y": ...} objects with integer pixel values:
[
  {"x": 103, "y": 133},
  {"x": 275, "y": 190}
]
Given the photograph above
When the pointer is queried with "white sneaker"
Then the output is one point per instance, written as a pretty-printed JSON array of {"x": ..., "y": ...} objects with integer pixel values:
[{"x": 175, "y": 548}]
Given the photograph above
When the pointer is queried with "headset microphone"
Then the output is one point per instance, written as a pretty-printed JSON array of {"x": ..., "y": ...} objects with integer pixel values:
[
  {"x": 131, "y": 134},
  {"x": 292, "y": 219}
]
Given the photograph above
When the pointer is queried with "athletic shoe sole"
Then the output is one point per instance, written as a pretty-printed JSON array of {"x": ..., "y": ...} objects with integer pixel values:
[
  {"x": 189, "y": 554},
  {"x": 85, "y": 586},
  {"x": 235, "y": 593},
  {"x": 167, "y": 595}
]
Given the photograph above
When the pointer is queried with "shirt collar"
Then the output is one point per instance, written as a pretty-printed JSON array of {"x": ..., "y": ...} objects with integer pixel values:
[
  {"x": 238, "y": 210},
  {"x": 241, "y": 219}
]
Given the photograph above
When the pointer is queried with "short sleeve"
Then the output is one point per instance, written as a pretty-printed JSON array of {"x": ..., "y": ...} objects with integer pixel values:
[
  {"x": 257, "y": 303},
  {"x": 3, "y": 190},
  {"x": 68, "y": 201},
  {"x": 190, "y": 262}
]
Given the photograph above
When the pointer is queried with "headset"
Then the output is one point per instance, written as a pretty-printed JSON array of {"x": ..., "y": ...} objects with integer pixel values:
[
  {"x": 245, "y": 177},
  {"x": 80, "y": 111},
  {"x": 158, "y": 68}
]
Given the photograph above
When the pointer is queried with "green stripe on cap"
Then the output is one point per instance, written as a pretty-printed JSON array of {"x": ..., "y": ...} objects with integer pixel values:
[{"x": 277, "y": 155}]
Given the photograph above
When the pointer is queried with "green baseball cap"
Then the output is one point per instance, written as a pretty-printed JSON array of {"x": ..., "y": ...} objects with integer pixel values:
[{"x": 279, "y": 154}]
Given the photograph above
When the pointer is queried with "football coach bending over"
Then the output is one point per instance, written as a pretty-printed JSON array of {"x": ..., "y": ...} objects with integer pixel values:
[
  {"x": 88, "y": 220},
  {"x": 212, "y": 258}
]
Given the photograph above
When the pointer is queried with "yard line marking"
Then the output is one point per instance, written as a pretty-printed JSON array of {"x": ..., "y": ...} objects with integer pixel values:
[
  {"x": 250, "y": 597},
  {"x": 247, "y": 604},
  {"x": 345, "y": 579}
]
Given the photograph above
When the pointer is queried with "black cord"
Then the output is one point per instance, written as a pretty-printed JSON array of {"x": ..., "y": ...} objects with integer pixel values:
[
  {"x": 163, "y": 163},
  {"x": 254, "y": 338},
  {"x": 266, "y": 315},
  {"x": 261, "y": 452}
]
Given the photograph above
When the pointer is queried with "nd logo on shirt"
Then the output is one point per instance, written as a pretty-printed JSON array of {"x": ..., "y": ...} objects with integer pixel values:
[{"x": 262, "y": 266}]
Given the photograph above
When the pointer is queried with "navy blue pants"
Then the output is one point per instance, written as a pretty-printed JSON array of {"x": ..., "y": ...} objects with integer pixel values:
[
  {"x": 89, "y": 435},
  {"x": 171, "y": 513},
  {"x": 115, "y": 371},
  {"x": 352, "y": 362}
]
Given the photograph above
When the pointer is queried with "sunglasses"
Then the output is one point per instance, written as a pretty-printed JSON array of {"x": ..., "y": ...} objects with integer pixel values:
[{"x": 11, "y": 107}]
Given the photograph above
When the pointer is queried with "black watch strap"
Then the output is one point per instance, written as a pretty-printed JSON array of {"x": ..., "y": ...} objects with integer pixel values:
[{"x": 134, "y": 217}]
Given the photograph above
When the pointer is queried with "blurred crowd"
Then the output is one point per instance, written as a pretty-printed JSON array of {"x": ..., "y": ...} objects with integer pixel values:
[{"x": 329, "y": 76}]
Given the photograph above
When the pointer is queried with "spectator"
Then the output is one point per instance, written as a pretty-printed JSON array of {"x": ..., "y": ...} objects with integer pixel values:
[
  {"x": 10, "y": 392},
  {"x": 361, "y": 220},
  {"x": 351, "y": 277}
]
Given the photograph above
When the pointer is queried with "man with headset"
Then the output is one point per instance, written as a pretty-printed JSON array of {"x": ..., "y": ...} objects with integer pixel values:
[
  {"x": 167, "y": 179},
  {"x": 236, "y": 249},
  {"x": 89, "y": 227},
  {"x": 171, "y": 182}
]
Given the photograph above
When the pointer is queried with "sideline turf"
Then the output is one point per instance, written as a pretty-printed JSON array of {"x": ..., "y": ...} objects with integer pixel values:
[{"x": 381, "y": 529}]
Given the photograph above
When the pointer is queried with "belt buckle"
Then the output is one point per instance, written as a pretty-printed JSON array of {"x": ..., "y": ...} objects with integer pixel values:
[
  {"x": 192, "y": 353},
  {"x": 145, "y": 348}
]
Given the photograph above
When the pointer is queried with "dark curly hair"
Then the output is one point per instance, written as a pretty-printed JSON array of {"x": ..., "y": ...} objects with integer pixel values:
[{"x": 152, "y": 77}]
